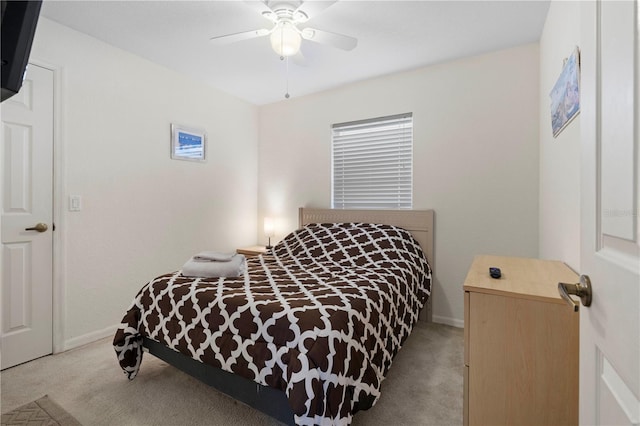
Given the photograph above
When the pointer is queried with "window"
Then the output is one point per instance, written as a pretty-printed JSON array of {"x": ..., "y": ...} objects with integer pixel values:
[{"x": 372, "y": 163}]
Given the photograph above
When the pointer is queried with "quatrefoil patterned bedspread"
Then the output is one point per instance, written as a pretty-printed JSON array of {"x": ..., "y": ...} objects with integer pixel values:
[{"x": 321, "y": 317}]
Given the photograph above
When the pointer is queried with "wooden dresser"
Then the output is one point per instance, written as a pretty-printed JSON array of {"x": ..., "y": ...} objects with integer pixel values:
[{"x": 520, "y": 344}]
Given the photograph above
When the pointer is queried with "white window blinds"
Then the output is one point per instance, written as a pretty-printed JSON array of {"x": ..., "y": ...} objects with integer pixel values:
[{"x": 372, "y": 163}]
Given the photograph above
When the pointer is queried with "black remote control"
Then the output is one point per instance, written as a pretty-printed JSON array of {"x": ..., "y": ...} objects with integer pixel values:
[{"x": 495, "y": 272}]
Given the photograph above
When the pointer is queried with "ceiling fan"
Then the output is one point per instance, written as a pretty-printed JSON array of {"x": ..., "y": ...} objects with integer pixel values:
[{"x": 285, "y": 35}]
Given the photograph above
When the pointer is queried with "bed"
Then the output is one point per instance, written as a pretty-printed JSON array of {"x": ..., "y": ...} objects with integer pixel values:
[{"x": 308, "y": 333}]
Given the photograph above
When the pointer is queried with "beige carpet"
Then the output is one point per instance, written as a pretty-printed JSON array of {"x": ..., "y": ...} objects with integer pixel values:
[
  {"x": 423, "y": 387},
  {"x": 41, "y": 412}
]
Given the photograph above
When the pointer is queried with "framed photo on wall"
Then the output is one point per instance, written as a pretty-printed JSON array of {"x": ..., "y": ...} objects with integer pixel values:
[
  {"x": 188, "y": 143},
  {"x": 565, "y": 95}
]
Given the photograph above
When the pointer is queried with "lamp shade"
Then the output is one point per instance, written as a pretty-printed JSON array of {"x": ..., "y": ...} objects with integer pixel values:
[
  {"x": 285, "y": 39},
  {"x": 269, "y": 227}
]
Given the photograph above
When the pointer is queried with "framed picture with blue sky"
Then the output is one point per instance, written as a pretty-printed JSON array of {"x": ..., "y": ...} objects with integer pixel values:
[{"x": 188, "y": 143}]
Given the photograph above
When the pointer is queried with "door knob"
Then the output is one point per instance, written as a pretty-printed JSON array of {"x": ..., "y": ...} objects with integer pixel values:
[
  {"x": 40, "y": 227},
  {"x": 581, "y": 289}
]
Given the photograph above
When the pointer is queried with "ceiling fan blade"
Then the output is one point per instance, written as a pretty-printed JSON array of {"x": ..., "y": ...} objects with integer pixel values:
[
  {"x": 310, "y": 9},
  {"x": 245, "y": 35},
  {"x": 340, "y": 41}
]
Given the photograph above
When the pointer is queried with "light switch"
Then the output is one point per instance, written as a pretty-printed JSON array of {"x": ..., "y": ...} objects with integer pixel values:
[{"x": 75, "y": 203}]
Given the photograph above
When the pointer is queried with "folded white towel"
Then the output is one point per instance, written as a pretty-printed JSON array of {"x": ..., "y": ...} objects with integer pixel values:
[
  {"x": 208, "y": 269},
  {"x": 213, "y": 256}
]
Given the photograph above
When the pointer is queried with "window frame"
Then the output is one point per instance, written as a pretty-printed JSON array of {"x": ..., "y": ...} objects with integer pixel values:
[{"x": 400, "y": 127}]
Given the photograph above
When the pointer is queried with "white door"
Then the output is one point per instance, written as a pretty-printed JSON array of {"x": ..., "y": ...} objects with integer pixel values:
[
  {"x": 610, "y": 248},
  {"x": 26, "y": 163}
]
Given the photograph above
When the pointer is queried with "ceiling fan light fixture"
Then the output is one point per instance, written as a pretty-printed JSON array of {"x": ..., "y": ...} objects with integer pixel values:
[{"x": 285, "y": 39}]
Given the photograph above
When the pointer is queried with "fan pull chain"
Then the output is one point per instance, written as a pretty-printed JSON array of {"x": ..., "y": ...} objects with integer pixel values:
[
  {"x": 286, "y": 59},
  {"x": 286, "y": 95}
]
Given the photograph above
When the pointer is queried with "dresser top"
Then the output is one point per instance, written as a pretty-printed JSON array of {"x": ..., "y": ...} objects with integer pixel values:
[{"x": 521, "y": 277}]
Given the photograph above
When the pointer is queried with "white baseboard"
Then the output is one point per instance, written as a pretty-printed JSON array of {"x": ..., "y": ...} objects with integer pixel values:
[
  {"x": 454, "y": 322},
  {"x": 89, "y": 338}
]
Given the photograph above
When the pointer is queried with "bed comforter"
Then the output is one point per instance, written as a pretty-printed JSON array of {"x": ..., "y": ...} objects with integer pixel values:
[{"x": 320, "y": 317}]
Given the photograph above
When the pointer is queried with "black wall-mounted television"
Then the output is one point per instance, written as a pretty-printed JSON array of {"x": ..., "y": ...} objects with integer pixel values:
[{"x": 19, "y": 19}]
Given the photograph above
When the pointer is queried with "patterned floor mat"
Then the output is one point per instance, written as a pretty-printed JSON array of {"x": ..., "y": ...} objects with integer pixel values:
[{"x": 42, "y": 412}]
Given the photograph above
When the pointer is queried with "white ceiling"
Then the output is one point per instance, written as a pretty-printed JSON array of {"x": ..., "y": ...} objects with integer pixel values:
[{"x": 392, "y": 36}]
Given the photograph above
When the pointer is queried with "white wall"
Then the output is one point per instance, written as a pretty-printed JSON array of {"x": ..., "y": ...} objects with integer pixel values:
[
  {"x": 476, "y": 136},
  {"x": 559, "y": 157},
  {"x": 143, "y": 214},
  {"x": 476, "y": 164}
]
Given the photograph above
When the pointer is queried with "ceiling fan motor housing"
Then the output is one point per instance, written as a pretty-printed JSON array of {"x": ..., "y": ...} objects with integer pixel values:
[{"x": 285, "y": 12}]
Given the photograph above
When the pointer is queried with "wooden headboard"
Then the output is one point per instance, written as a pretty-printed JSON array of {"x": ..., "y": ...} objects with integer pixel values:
[{"x": 418, "y": 222}]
